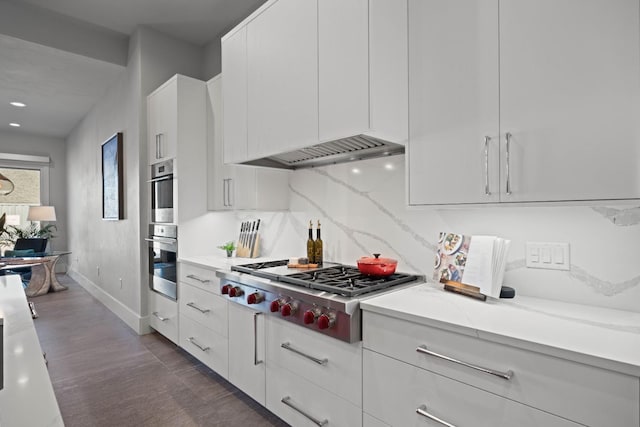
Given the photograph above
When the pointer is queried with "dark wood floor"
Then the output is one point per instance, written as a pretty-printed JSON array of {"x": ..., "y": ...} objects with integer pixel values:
[{"x": 104, "y": 374}]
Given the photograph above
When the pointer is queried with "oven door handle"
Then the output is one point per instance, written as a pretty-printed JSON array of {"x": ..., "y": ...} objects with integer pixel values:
[
  {"x": 159, "y": 240},
  {"x": 162, "y": 178}
]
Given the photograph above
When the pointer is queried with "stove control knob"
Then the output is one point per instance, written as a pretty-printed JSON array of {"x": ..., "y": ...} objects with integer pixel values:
[
  {"x": 288, "y": 309},
  {"x": 235, "y": 291},
  {"x": 275, "y": 305},
  {"x": 310, "y": 316},
  {"x": 326, "y": 321},
  {"x": 225, "y": 289},
  {"x": 255, "y": 298}
]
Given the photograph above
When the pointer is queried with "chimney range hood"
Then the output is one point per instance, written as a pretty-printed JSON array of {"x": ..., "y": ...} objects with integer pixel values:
[{"x": 357, "y": 147}]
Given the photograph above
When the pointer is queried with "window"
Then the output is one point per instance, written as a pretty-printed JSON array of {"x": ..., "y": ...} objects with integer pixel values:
[{"x": 27, "y": 192}]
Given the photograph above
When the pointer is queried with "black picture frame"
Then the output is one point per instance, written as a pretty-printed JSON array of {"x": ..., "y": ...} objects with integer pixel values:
[{"x": 112, "y": 178}]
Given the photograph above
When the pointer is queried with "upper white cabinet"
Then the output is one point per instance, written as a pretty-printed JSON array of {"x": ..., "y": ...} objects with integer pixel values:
[
  {"x": 282, "y": 77},
  {"x": 307, "y": 71},
  {"x": 523, "y": 101},
  {"x": 162, "y": 115},
  {"x": 232, "y": 187}
]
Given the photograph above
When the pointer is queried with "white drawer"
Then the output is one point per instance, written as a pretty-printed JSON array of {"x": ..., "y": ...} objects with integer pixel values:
[
  {"x": 309, "y": 399},
  {"x": 204, "y": 307},
  {"x": 163, "y": 315},
  {"x": 205, "y": 345},
  {"x": 200, "y": 277},
  {"x": 306, "y": 353},
  {"x": 393, "y": 391},
  {"x": 579, "y": 392}
]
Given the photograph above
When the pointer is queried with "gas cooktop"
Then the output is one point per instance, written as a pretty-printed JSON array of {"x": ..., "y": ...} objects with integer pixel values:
[{"x": 337, "y": 279}]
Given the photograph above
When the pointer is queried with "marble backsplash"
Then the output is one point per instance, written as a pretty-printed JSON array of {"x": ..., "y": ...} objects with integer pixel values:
[{"x": 362, "y": 209}]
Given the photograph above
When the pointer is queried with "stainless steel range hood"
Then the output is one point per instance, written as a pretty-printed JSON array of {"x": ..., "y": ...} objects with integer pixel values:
[{"x": 358, "y": 147}]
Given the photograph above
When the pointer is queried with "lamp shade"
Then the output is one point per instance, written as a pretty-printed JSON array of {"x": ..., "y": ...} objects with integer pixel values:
[
  {"x": 6, "y": 186},
  {"x": 41, "y": 213}
]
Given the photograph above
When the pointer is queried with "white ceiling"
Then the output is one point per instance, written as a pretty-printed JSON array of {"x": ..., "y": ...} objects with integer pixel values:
[{"x": 60, "y": 87}]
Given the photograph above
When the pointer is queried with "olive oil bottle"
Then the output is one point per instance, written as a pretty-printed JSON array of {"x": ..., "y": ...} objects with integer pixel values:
[
  {"x": 318, "y": 246},
  {"x": 311, "y": 247}
]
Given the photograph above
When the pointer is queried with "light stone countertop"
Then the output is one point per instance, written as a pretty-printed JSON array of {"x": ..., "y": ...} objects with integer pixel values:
[
  {"x": 601, "y": 337},
  {"x": 27, "y": 398}
]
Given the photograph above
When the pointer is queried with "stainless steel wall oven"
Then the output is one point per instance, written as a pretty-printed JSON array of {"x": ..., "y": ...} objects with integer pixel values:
[
  {"x": 162, "y": 192},
  {"x": 163, "y": 259}
]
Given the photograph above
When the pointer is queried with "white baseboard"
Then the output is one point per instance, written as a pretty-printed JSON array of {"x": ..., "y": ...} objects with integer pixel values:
[{"x": 136, "y": 322}]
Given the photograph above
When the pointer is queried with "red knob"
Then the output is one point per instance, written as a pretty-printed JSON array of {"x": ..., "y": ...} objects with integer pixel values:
[
  {"x": 275, "y": 306},
  {"x": 309, "y": 317},
  {"x": 235, "y": 292},
  {"x": 288, "y": 309},
  {"x": 325, "y": 321},
  {"x": 255, "y": 298},
  {"x": 225, "y": 289}
]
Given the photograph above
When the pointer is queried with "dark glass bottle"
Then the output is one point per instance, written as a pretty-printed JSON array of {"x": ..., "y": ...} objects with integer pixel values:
[
  {"x": 311, "y": 247},
  {"x": 318, "y": 246}
]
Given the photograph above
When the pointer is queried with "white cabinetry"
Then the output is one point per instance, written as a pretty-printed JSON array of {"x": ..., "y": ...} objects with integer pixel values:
[
  {"x": 163, "y": 315},
  {"x": 203, "y": 317},
  {"x": 523, "y": 101},
  {"x": 237, "y": 187},
  {"x": 162, "y": 126},
  {"x": 234, "y": 95},
  {"x": 247, "y": 351},
  {"x": 401, "y": 373}
]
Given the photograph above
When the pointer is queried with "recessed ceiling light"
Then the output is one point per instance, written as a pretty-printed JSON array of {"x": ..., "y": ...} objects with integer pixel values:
[
  {"x": 18, "y": 104},
  {"x": 15, "y": 125}
]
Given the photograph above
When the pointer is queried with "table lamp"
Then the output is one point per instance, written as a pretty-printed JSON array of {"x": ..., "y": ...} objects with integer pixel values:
[{"x": 42, "y": 213}]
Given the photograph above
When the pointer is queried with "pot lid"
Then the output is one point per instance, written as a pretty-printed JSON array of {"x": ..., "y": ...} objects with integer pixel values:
[{"x": 376, "y": 260}]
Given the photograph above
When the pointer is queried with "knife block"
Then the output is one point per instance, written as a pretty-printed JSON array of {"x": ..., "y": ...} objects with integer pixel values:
[{"x": 245, "y": 251}]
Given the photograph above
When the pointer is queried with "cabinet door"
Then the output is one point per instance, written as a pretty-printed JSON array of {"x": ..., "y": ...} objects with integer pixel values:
[
  {"x": 282, "y": 48},
  {"x": 234, "y": 93},
  {"x": 163, "y": 119},
  {"x": 246, "y": 351},
  {"x": 217, "y": 184},
  {"x": 453, "y": 150},
  {"x": 569, "y": 95},
  {"x": 343, "y": 62}
]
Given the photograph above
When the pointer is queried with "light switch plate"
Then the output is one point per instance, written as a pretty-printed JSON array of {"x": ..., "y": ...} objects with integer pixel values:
[{"x": 549, "y": 256}]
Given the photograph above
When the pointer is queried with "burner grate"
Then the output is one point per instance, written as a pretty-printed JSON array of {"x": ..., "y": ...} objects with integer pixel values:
[{"x": 251, "y": 268}]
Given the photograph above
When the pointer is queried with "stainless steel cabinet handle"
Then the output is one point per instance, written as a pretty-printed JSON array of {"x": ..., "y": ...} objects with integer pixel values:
[
  {"x": 255, "y": 339},
  {"x": 224, "y": 192},
  {"x": 193, "y": 341},
  {"x": 162, "y": 319},
  {"x": 201, "y": 310},
  {"x": 422, "y": 410},
  {"x": 287, "y": 346},
  {"x": 287, "y": 401},
  {"x": 157, "y": 146},
  {"x": 504, "y": 375},
  {"x": 194, "y": 277},
  {"x": 508, "y": 136},
  {"x": 487, "y": 139},
  {"x": 160, "y": 135},
  {"x": 229, "y": 201}
]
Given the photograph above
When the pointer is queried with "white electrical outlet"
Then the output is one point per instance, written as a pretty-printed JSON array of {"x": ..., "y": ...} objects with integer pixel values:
[{"x": 550, "y": 256}]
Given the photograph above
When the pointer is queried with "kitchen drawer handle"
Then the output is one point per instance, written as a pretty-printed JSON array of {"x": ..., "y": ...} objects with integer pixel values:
[
  {"x": 194, "y": 277},
  {"x": 255, "y": 339},
  {"x": 201, "y": 310},
  {"x": 287, "y": 401},
  {"x": 287, "y": 346},
  {"x": 422, "y": 410},
  {"x": 193, "y": 341},
  {"x": 162, "y": 319},
  {"x": 487, "y": 139},
  {"x": 508, "y": 135},
  {"x": 504, "y": 375}
]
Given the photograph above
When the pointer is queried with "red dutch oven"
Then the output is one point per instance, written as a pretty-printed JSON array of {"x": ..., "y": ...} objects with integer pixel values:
[{"x": 376, "y": 266}]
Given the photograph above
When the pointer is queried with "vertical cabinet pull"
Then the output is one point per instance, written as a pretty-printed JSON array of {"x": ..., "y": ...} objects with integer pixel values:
[
  {"x": 287, "y": 401},
  {"x": 487, "y": 139},
  {"x": 422, "y": 410},
  {"x": 508, "y": 136},
  {"x": 224, "y": 192},
  {"x": 229, "y": 201},
  {"x": 160, "y": 154},
  {"x": 157, "y": 146},
  {"x": 256, "y": 362}
]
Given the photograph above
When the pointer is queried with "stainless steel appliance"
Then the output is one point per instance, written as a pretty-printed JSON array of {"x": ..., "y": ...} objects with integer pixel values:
[
  {"x": 162, "y": 192},
  {"x": 325, "y": 299},
  {"x": 163, "y": 256}
]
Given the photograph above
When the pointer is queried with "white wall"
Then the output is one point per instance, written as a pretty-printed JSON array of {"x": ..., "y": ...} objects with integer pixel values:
[
  {"x": 54, "y": 148},
  {"x": 109, "y": 257}
]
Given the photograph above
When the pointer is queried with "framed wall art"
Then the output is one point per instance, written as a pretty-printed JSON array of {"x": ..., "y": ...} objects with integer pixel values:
[{"x": 112, "y": 180}]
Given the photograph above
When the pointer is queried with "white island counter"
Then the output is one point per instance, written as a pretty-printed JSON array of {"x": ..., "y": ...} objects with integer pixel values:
[{"x": 27, "y": 398}]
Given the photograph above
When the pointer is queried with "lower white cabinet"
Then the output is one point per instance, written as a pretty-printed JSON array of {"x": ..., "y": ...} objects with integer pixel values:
[
  {"x": 302, "y": 403},
  {"x": 205, "y": 345},
  {"x": 246, "y": 351},
  {"x": 404, "y": 395},
  {"x": 163, "y": 315}
]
